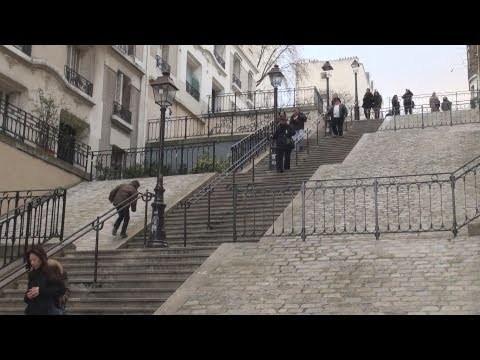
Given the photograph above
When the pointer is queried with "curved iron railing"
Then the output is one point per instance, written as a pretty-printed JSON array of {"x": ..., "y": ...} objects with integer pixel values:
[
  {"x": 95, "y": 225},
  {"x": 78, "y": 81},
  {"x": 39, "y": 219}
]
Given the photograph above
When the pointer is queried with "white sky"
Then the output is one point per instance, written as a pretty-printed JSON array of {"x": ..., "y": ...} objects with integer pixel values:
[{"x": 393, "y": 68}]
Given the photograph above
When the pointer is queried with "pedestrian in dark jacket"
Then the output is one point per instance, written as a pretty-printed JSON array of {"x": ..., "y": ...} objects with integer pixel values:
[
  {"x": 377, "y": 103},
  {"x": 407, "y": 101},
  {"x": 297, "y": 121},
  {"x": 337, "y": 114},
  {"x": 395, "y": 105},
  {"x": 43, "y": 288},
  {"x": 367, "y": 103},
  {"x": 446, "y": 104},
  {"x": 118, "y": 197},
  {"x": 283, "y": 142}
]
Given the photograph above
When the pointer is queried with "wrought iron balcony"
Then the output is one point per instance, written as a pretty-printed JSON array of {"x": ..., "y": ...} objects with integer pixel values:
[
  {"x": 162, "y": 64},
  {"x": 219, "y": 59},
  {"x": 193, "y": 91},
  {"x": 26, "y": 49},
  {"x": 236, "y": 80},
  {"x": 122, "y": 112},
  {"x": 78, "y": 81}
]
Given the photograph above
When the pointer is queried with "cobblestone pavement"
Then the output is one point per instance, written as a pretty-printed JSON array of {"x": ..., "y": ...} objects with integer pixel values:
[
  {"x": 353, "y": 275},
  {"x": 87, "y": 200}
]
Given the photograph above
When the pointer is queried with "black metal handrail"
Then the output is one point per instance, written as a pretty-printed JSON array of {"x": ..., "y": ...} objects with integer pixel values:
[
  {"x": 219, "y": 59},
  {"x": 143, "y": 162},
  {"x": 95, "y": 225},
  {"x": 39, "y": 219},
  {"x": 12, "y": 199},
  {"x": 193, "y": 91},
  {"x": 23, "y": 126},
  {"x": 162, "y": 64},
  {"x": 78, "y": 81},
  {"x": 122, "y": 112},
  {"x": 26, "y": 49}
]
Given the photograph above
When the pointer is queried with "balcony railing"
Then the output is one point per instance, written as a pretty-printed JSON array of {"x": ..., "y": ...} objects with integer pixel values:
[
  {"x": 78, "y": 81},
  {"x": 219, "y": 59},
  {"x": 162, "y": 64},
  {"x": 126, "y": 49},
  {"x": 193, "y": 91},
  {"x": 236, "y": 80},
  {"x": 26, "y": 49},
  {"x": 122, "y": 112}
]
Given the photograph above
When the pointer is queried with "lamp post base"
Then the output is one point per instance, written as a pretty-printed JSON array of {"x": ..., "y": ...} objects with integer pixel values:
[
  {"x": 356, "y": 112},
  {"x": 158, "y": 236}
]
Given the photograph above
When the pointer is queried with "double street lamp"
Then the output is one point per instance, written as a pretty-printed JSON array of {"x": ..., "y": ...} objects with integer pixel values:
[
  {"x": 164, "y": 93},
  {"x": 356, "y": 109},
  {"x": 327, "y": 68},
  {"x": 276, "y": 78}
]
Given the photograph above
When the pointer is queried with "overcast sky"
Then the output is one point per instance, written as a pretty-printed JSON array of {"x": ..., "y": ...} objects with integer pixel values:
[{"x": 393, "y": 68}]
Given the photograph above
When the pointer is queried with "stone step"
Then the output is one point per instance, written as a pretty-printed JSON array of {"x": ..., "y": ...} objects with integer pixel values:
[
  {"x": 178, "y": 274},
  {"x": 125, "y": 258},
  {"x": 148, "y": 251},
  {"x": 82, "y": 292},
  {"x": 87, "y": 282},
  {"x": 137, "y": 267}
]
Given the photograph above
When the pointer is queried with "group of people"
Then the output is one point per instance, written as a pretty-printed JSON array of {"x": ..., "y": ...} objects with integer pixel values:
[
  {"x": 372, "y": 101},
  {"x": 47, "y": 289},
  {"x": 435, "y": 105},
  {"x": 287, "y": 134}
]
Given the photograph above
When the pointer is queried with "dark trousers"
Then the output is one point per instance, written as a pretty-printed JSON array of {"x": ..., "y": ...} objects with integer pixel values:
[
  {"x": 123, "y": 215},
  {"x": 377, "y": 113},
  {"x": 408, "y": 109},
  {"x": 367, "y": 113},
  {"x": 283, "y": 158},
  {"x": 337, "y": 126}
]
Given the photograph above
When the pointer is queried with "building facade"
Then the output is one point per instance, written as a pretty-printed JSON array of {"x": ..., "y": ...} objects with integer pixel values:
[
  {"x": 341, "y": 81},
  {"x": 473, "y": 60},
  {"x": 98, "y": 92}
]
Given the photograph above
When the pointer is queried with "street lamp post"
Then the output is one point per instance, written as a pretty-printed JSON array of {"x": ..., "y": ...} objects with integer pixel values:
[
  {"x": 164, "y": 93},
  {"x": 276, "y": 78},
  {"x": 327, "y": 68},
  {"x": 356, "y": 109}
]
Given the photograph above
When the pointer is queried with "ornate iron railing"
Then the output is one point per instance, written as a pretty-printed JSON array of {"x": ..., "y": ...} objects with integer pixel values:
[
  {"x": 219, "y": 59},
  {"x": 39, "y": 219},
  {"x": 95, "y": 225},
  {"x": 26, "y": 49},
  {"x": 162, "y": 64},
  {"x": 29, "y": 129},
  {"x": 144, "y": 162},
  {"x": 193, "y": 91},
  {"x": 122, "y": 112},
  {"x": 301, "y": 97},
  {"x": 78, "y": 81},
  {"x": 210, "y": 124},
  {"x": 10, "y": 200}
]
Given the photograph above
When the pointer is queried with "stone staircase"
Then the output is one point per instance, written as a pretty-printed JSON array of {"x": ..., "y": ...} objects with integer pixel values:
[{"x": 137, "y": 280}]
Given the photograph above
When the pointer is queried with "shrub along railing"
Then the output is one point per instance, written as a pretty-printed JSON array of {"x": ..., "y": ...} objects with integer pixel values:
[
  {"x": 29, "y": 129},
  {"x": 40, "y": 218},
  {"x": 143, "y": 162}
]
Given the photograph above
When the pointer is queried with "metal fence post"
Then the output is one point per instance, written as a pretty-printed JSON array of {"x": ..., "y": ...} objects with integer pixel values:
[
  {"x": 451, "y": 120},
  {"x": 394, "y": 122},
  {"x": 64, "y": 199},
  {"x": 234, "y": 204},
  {"x": 303, "y": 211},
  {"x": 97, "y": 229},
  {"x": 454, "y": 224},
  {"x": 208, "y": 125},
  {"x": 208, "y": 216},
  {"x": 422, "y": 119},
  {"x": 214, "y": 157},
  {"x": 375, "y": 191}
]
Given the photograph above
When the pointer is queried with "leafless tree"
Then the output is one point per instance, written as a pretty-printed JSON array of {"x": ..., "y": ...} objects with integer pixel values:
[
  {"x": 347, "y": 98},
  {"x": 285, "y": 56}
]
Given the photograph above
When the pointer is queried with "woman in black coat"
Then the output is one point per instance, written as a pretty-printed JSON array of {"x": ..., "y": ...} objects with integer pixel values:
[
  {"x": 43, "y": 288},
  {"x": 367, "y": 103},
  {"x": 283, "y": 142}
]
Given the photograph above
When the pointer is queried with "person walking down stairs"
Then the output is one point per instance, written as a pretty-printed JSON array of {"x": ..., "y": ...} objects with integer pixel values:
[
  {"x": 337, "y": 113},
  {"x": 408, "y": 103},
  {"x": 446, "y": 104},
  {"x": 434, "y": 103},
  {"x": 117, "y": 197},
  {"x": 377, "y": 103},
  {"x": 283, "y": 142},
  {"x": 297, "y": 120},
  {"x": 59, "y": 275},
  {"x": 367, "y": 103}
]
